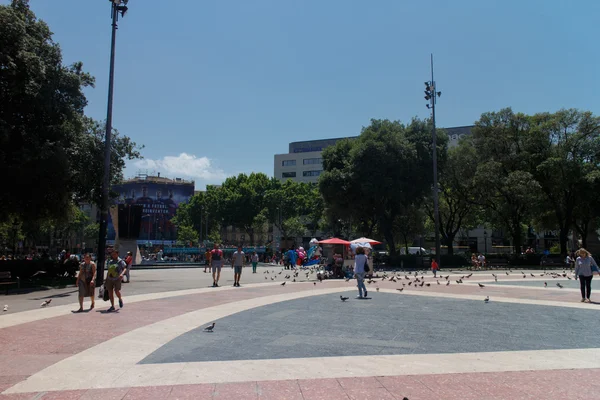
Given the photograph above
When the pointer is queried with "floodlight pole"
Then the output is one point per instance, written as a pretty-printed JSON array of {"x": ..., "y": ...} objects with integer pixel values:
[{"x": 116, "y": 7}]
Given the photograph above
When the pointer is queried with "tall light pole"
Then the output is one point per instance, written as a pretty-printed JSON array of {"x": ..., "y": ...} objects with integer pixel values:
[
  {"x": 431, "y": 95},
  {"x": 117, "y": 7}
]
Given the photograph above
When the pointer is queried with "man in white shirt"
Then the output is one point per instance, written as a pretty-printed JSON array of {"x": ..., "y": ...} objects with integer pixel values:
[
  {"x": 481, "y": 260},
  {"x": 237, "y": 263}
]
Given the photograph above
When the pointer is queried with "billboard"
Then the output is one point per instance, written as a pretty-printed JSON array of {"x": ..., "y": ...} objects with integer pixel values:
[{"x": 159, "y": 202}]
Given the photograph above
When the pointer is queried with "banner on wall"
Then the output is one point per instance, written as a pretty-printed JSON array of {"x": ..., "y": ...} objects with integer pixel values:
[{"x": 159, "y": 203}]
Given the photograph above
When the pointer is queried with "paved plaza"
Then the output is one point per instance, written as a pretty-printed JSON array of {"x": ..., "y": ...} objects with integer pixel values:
[{"x": 300, "y": 341}]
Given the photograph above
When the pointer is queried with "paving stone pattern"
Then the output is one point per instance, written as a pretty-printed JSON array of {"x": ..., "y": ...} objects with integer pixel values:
[{"x": 386, "y": 324}]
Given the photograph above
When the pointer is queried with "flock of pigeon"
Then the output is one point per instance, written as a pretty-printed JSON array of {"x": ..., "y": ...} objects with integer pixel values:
[{"x": 416, "y": 282}]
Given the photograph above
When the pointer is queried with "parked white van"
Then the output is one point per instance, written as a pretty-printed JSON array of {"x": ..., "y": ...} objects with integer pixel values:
[{"x": 414, "y": 250}]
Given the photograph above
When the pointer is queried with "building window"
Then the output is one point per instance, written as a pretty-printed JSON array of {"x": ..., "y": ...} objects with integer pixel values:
[
  {"x": 288, "y": 174},
  {"x": 288, "y": 163},
  {"x": 311, "y": 173},
  {"x": 308, "y": 161}
]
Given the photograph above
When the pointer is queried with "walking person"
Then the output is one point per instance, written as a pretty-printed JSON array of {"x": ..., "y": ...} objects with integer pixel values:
[
  {"x": 216, "y": 262},
  {"x": 129, "y": 264},
  {"x": 115, "y": 270},
  {"x": 207, "y": 259},
  {"x": 254, "y": 260},
  {"x": 584, "y": 271},
  {"x": 359, "y": 272},
  {"x": 237, "y": 263},
  {"x": 86, "y": 281},
  {"x": 434, "y": 267}
]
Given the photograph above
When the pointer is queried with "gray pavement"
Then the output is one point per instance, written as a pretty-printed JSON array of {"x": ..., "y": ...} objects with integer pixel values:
[
  {"x": 566, "y": 283},
  {"x": 386, "y": 324},
  {"x": 142, "y": 281}
]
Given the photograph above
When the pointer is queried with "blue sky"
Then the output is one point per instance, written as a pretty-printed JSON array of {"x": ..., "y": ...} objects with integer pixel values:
[{"x": 213, "y": 88}]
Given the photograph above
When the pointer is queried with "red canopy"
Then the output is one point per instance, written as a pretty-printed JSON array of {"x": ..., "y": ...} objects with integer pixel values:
[{"x": 335, "y": 241}]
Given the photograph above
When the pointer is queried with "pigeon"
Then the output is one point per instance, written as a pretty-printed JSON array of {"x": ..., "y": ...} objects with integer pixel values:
[
  {"x": 470, "y": 275},
  {"x": 447, "y": 283},
  {"x": 457, "y": 281},
  {"x": 545, "y": 284},
  {"x": 494, "y": 275},
  {"x": 315, "y": 283},
  {"x": 487, "y": 299},
  {"x": 438, "y": 282},
  {"x": 422, "y": 283},
  {"x": 401, "y": 289},
  {"x": 447, "y": 276},
  {"x": 507, "y": 273},
  {"x": 409, "y": 283},
  {"x": 569, "y": 278},
  {"x": 209, "y": 328},
  {"x": 344, "y": 298},
  {"x": 280, "y": 272},
  {"x": 294, "y": 280},
  {"x": 266, "y": 278},
  {"x": 5, "y": 308},
  {"x": 480, "y": 285},
  {"x": 377, "y": 289},
  {"x": 559, "y": 285},
  {"x": 272, "y": 278},
  {"x": 347, "y": 279},
  {"x": 405, "y": 398},
  {"x": 532, "y": 275},
  {"x": 524, "y": 276},
  {"x": 496, "y": 279},
  {"x": 283, "y": 284},
  {"x": 429, "y": 284},
  {"x": 46, "y": 303}
]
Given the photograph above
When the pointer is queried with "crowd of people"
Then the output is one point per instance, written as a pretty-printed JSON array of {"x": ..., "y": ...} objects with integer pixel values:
[{"x": 118, "y": 271}]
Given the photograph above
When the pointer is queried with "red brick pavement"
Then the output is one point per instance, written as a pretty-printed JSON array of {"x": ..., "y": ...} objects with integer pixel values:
[{"x": 28, "y": 348}]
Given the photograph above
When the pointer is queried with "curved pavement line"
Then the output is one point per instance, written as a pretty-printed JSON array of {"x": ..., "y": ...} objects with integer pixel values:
[
  {"x": 527, "y": 287},
  {"x": 87, "y": 369},
  {"x": 498, "y": 298},
  {"x": 24, "y": 317}
]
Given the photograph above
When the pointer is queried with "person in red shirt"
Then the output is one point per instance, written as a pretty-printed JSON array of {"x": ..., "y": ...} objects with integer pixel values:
[
  {"x": 216, "y": 262},
  {"x": 434, "y": 267},
  {"x": 129, "y": 262}
]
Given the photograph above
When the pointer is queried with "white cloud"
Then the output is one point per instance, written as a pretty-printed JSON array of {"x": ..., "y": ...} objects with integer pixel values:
[{"x": 183, "y": 166}]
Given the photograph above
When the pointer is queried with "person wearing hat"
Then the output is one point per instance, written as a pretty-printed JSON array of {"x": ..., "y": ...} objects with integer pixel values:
[{"x": 129, "y": 263}]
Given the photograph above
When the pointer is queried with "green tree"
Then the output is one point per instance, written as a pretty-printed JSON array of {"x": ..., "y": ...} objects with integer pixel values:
[
  {"x": 288, "y": 200},
  {"x": 564, "y": 155},
  {"x": 293, "y": 227},
  {"x": 457, "y": 210},
  {"x": 186, "y": 235},
  {"x": 370, "y": 180},
  {"x": 507, "y": 190},
  {"x": 409, "y": 224},
  {"x": 45, "y": 139},
  {"x": 241, "y": 199}
]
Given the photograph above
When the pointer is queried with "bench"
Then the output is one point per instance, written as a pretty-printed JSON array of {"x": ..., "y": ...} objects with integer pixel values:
[{"x": 6, "y": 280}]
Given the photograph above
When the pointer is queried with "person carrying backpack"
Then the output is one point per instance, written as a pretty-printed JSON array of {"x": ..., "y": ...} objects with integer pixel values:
[{"x": 216, "y": 262}]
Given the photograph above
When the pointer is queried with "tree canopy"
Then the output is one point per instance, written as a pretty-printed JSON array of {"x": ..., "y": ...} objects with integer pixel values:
[{"x": 49, "y": 149}]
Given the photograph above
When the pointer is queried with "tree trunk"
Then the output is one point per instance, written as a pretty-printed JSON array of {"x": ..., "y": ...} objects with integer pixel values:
[
  {"x": 389, "y": 238},
  {"x": 563, "y": 238},
  {"x": 516, "y": 234},
  {"x": 449, "y": 242}
]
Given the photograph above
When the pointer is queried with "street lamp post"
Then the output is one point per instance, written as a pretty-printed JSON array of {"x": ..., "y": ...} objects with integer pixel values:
[
  {"x": 485, "y": 236},
  {"x": 431, "y": 95},
  {"x": 117, "y": 7},
  {"x": 15, "y": 230}
]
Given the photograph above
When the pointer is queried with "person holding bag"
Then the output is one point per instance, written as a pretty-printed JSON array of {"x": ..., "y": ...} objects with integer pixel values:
[
  {"x": 361, "y": 267},
  {"x": 86, "y": 279}
]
